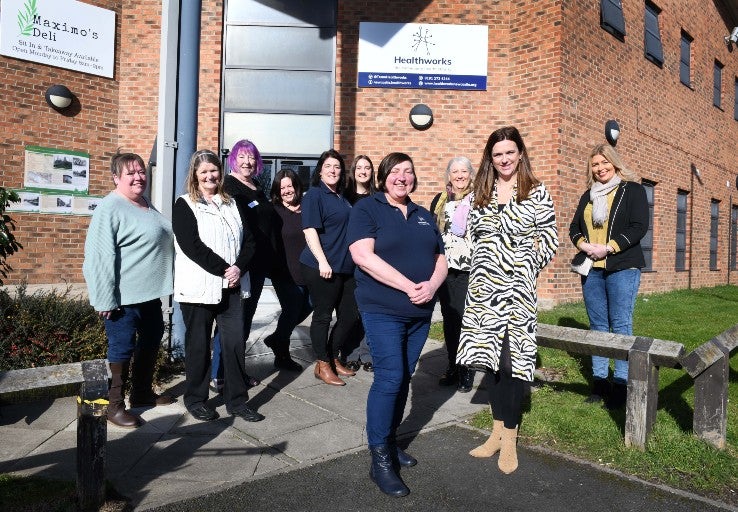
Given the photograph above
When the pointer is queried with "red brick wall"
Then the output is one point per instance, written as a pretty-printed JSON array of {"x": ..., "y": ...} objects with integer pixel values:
[
  {"x": 524, "y": 77},
  {"x": 53, "y": 244},
  {"x": 665, "y": 126},
  {"x": 552, "y": 71}
]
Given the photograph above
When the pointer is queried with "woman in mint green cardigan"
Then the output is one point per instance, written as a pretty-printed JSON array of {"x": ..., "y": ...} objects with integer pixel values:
[{"x": 129, "y": 253}]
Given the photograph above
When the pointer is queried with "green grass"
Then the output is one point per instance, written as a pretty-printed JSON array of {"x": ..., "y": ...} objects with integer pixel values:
[
  {"x": 36, "y": 494},
  {"x": 559, "y": 419}
]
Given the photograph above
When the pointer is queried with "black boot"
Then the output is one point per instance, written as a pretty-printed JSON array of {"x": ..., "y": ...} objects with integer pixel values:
[
  {"x": 466, "y": 380},
  {"x": 618, "y": 396},
  {"x": 400, "y": 456},
  {"x": 142, "y": 379},
  {"x": 117, "y": 414},
  {"x": 450, "y": 377},
  {"x": 383, "y": 474},
  {"x": 600, "y": 391}
]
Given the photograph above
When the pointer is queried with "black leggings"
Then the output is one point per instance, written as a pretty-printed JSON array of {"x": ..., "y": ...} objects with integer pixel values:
[{"x": 505, "y": 391}]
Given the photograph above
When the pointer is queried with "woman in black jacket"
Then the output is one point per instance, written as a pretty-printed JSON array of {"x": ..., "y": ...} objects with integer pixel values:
[{"x": 609, "y": 223}]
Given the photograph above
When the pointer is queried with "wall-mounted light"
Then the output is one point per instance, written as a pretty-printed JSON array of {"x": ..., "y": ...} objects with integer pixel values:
[
  {"x": 421, "y": 117},
  {"x": 732, "y": 39},
  {"x": 58, "y": 97},
  {"x": 612, "y": 132}
]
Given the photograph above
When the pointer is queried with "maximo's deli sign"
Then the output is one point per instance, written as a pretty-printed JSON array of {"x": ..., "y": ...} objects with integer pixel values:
[{"x": 62, "y": 33}]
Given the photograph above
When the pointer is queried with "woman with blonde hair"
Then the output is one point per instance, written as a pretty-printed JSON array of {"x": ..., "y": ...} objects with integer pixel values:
[
  {"x": 608, "y": 225},
  {"x": 212, "y": 252}
]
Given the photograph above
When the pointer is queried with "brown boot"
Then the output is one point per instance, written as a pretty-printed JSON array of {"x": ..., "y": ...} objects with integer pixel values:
[
  {"x": 491, "y": 445},
  {"x": 508, "y": 461},
  {"x": 142, "y": 378},
  {"x": 117, "y": 414},
  {"x": 342, "y": 370},
  {"x": 324, "y": 372}
]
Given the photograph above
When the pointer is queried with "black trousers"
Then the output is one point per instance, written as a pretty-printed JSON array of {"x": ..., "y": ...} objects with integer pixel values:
[
  {"x": 505, "y": 392},
  {"x": 198, "y": 320},
  {"x": 327, "y": 295},
  {"x": 296, "y": 307},
  {"x": 452, "y": 295}
]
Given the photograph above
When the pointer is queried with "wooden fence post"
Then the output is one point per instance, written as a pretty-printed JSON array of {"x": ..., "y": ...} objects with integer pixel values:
[
  {"x": 710, "y": 421},
  {"x": 643, "y": 394},
  {"x": 92, "y": 433}
]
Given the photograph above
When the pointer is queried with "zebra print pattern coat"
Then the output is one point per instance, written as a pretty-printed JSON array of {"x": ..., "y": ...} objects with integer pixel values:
[{"x": 510, "y": 247}]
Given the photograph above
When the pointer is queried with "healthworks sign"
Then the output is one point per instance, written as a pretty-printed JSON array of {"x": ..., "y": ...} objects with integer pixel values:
[{"x": 62, "y": 33}]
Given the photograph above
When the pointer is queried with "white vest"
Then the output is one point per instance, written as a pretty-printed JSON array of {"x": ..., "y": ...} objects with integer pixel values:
[{"x": 219, "y": 226}]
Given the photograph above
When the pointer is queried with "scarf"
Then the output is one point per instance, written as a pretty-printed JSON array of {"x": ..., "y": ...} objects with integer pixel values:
[
  {"x": 598, "y": 196},
  {"x": 445, "y": 197}
]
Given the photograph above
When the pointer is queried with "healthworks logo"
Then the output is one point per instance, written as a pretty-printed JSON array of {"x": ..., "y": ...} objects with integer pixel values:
[
  {"x": 26, "y": 16},
  {"x": 32, "y": 24}
]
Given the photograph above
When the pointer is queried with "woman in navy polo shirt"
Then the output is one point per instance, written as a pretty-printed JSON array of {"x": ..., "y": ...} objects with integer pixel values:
[
  {"x": 327, "y": 266},
  {"x": 399, "y": 253}
]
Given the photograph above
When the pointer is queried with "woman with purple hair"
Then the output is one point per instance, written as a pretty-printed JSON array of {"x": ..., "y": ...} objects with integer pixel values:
[{"x": 245, "y": 164}]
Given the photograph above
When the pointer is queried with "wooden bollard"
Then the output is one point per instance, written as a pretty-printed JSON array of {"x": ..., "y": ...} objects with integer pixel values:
[
  {"x": 92, "y": 434},
  {"x": 710, "y": 422},
  {"x": 643, "y": 394}
]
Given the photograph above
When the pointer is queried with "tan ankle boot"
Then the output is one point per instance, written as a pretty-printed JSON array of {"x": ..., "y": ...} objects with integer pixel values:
[
  {"x": 324, "y": 372},
  {"x": 342, "y": 370},
  {"x": 508, "y": 451},
  {"x": 491, "y": 445}
]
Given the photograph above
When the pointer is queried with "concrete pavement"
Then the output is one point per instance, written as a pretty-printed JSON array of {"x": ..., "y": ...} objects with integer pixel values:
[{"x": 312, "y": 445}]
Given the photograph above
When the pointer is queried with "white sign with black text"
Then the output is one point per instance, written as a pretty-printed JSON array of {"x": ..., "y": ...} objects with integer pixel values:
[
  {"x": 422, "y": 56},
  {"x": 62, "y": 33}
]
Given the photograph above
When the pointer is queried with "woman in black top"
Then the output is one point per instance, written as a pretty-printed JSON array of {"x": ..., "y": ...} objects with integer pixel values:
[
  {"x": 246, "y": 165},
  {"x": 360, "y": 183},
  {"x": 609, "y": 223},
  {"x": 289, "y": 285}
]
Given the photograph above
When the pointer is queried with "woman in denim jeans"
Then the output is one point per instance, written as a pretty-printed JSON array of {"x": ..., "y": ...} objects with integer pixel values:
[
  {"x": 398, "y": 250},
  {"x": 609, "y": 223}
]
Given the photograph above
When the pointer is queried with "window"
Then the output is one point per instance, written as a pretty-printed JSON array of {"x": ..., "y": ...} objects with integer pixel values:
[
  {"x": 681, "y": 230},
  {"x": 733, "y": 235},
  {"x": 611, "y": 17},
  {"x": 654, "y": 49},
  {"x": 717, "y": 84},
  {"x": 714, "y": 217},
  {"x": 685, "y": 57},
  {"x": 647, "y": 241},
  {"x": 735, "y": 96}
]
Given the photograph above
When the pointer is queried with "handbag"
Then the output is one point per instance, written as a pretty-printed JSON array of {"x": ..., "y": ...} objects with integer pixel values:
[{"x": 581, "y": 263}]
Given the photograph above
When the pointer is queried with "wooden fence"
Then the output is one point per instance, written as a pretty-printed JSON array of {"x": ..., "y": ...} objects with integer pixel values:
[{"x": 708, "y": 365}]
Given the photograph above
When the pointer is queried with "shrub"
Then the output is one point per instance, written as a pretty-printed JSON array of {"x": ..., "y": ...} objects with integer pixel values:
[
  {"x": 8, "y": 243},
  {"x": 48, "y": 328}
]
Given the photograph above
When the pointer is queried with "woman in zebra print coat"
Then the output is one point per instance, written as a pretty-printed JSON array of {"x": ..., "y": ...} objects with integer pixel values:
[{"x": 513, "y": 229}]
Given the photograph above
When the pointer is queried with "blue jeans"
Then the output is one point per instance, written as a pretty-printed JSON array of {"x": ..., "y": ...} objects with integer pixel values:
[
  {"x": 395, "y": 343},
  {"x": 610, "y": 298},
  {"x": 133, "y": 328}
]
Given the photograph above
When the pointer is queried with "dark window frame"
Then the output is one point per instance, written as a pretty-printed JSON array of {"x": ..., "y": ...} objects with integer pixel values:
[
  {"x": 647, "y": 240},
  {"x": 717, "y": 84},
  {"x": 685, "y": 59},
  {"x": 680, "y": 257},
  {"x": 714, "y": 233},
  {"x": 735, "y": 99},
  {"x": 612, "y": 19},
  {"x": 653, "y": 47}
]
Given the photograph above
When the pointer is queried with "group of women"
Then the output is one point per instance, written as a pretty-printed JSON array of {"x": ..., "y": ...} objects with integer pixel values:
[{"x": 378, "y": 260}]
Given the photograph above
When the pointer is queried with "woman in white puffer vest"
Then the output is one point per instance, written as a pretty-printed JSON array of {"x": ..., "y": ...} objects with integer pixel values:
[{"x": 212, "y": 252}]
